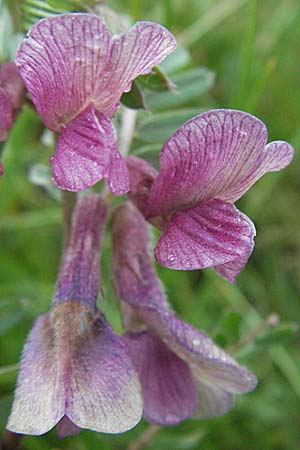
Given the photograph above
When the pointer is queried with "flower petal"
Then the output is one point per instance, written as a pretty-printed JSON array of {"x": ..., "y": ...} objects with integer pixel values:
[
  {"x": 210, "y": 364},
  {"x": 135, "y": 279},
  {"x": 207, "y": 235},
  {"x": 74, "y": 365},
  {"x": 86, "y": 152},
  {"x": 12, "y": 83},
  {"x": 212, "y": 401},
  {"x": 39, "y": 401},
  {"x": 66, "y": 427},
  {"x": 168, "y": 389},
  {"x": 218, "y": 154},
  {"x": 141, "y": 176},
  {"x": 6, "y": 114},
  {"x": 79, "y": 272},
  {"x": 104, "y": 390},
  {"x": 134, "y": 53},
  {"x": 70, "y": 60},
  {"x": 61, "y": 62},
  {"x": 232, "y": 269}
]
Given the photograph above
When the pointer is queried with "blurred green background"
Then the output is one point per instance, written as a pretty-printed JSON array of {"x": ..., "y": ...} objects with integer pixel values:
[{"x": 234, "y": 54}]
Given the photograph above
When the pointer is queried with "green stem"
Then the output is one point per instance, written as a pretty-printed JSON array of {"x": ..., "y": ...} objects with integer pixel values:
[
  {"x": 68, "y": 201},
  {"x": 144, "y": 438}
]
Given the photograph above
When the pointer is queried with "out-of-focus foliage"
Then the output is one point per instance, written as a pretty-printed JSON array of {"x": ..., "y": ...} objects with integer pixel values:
[{"x": 232, "y": 53}]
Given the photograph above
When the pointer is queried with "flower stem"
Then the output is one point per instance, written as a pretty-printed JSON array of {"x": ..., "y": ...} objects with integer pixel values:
[
  {"x": 68, "y": 201},
  {"x": 128, "y": 120},
  {"x": 144, "y": 438}
]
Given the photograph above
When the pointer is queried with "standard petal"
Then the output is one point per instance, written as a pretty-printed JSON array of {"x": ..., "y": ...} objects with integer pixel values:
[
  {"x": 135, "y": 279},
  {"x": 104, "y": 392},
  {"x": 86, "y": 152},
  {"x": 74, "y": 365},
  {"x": 207, "y": 235},
  {"x": 133, "y": 53},
  {"x": 141, "y": 176},
  {"x": 62, "y": 62},
  {"x": 70, "y": 60},
  {"x": 169, "y": 391},
  {"x": 39, "y": 401},
  {"x": 218, "y": 154}
]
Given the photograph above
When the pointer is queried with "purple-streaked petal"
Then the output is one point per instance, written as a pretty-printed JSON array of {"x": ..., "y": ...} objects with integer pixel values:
[
  {"x": 104, "y": 391},
  {"x": 135, "y": 279},
  {"x": 141, "y": 176},
  {"x": 66, "y": 427},
  {"x": 79, "y": 272},
  {"x": 74, "y": 365},
  {"x": 168, "y": 388},
  {"x": 12, "y": 83},
  {"x": 6, "y": 114},
  {"x": 212, "y": 400},
  {"x": 218, "y": 154},
  {"x": 62, "y": 62},
  {"x": 209, "y": 363},
  {"x": 207, "y": 235},
  {"x": 70, "y": 60},
  {"x": 39, "y": 401},
  {"x": 86, "y": 152},
  {"x": 231, "y": 269},
  {"x": 11, "y": 96},
  {"x": 133, "y": 53}
]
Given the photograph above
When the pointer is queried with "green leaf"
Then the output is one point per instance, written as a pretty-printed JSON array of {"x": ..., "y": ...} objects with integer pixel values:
[
  {"x": 134, "y": 99},
  {"x": 157, "y": 80},
  {"x": 71, "y": 5},
  {"x": 190, "y": 85},
  {"x": 157, "y": 128},
  {"x": 276, "y": 336},
  {"x": 34, "y": 10},
  {"x": 9, "y": 42},
  {"x": 179, "y": 59},
  {"x": 221, "y": 340},
  {"x": 231, "y": 325},
  {"x": 9, "y": 320}
]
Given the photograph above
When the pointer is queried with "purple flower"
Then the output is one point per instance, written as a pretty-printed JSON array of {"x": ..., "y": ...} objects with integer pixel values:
[
  {"x": 12, "y": 92},
  {"x": 75, "y": 371},
  {"x": 206, "y": 166},
  {"x": 182, "y": 372},
  {"x": 76, "y": 73}
]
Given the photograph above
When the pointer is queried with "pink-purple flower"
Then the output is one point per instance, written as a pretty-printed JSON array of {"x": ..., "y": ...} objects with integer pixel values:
[
  {"x": 75, "y": 371},
  {"x": 205, "y": 167},
  {"x": 182, "y": 372},
  {"x": 76, "y": 72},
  {"x": 12, "y": 92}
]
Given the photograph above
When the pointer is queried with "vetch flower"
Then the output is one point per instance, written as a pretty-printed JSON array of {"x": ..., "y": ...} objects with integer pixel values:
[
  {"x": 75, "y": 372},
  {"x": 182, "y": 372},
  {"x": 76, "y": 72},
  {"x": 12, "y": 91},
  {"x": 205, "y": 167}
]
